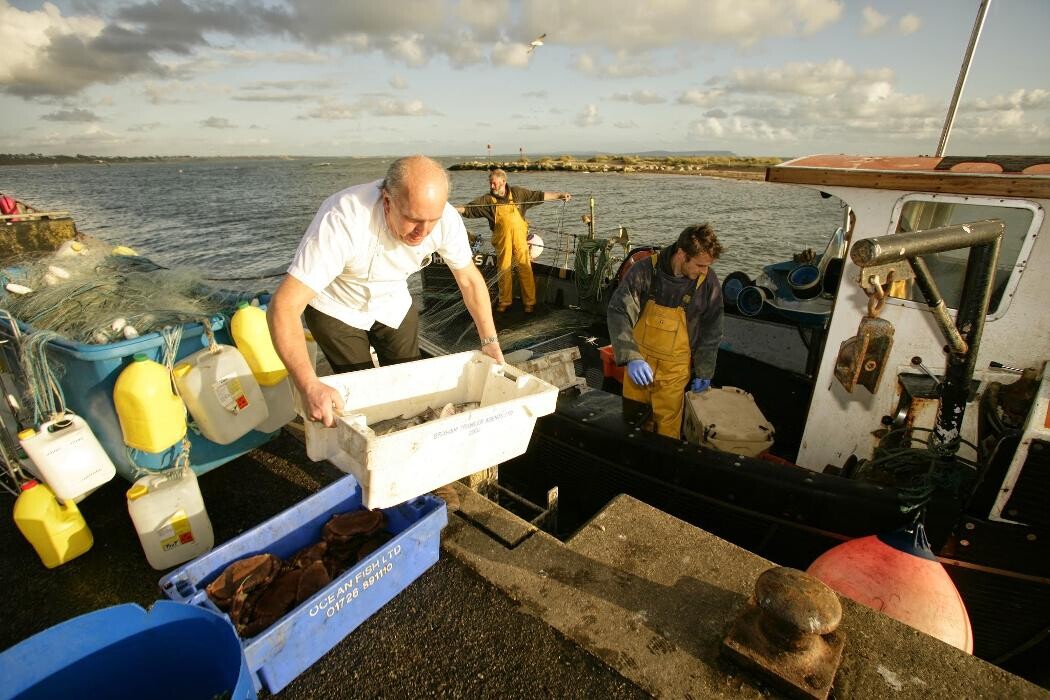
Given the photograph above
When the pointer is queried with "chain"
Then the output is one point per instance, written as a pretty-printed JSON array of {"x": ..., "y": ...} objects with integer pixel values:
[{"x": 876, "y": 294}]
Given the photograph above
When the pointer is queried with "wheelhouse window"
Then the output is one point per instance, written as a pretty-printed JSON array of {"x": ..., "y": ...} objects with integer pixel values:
[{"x": 949, "y": 268}]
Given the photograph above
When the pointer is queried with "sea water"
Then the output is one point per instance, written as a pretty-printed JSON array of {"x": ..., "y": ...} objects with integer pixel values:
[{"x": 238, "y": 218}]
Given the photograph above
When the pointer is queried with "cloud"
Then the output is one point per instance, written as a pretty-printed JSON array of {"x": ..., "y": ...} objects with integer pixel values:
[
  {"x": 623, "y": 65},
  {"x": 626, "y": 125},
  {"x": 71, "y": 115},
  {"x": 149, "y": 126},
  {"x": 541, "y": 94},
  {"x": 374, "y": 105},
  {"x": 532, "y": 127},
  {"x": 1018, "y": 99},
  {"x": 809, "y": 79},
  {"x": 588, "y": 117},
  {"x": 510, "y": 54},
  {"x": 398, "y": 82},
  {"x": 292, "y": 57},
  {"x": 641, "y": 26},
  {"x": 700, "y": 98},
  {"x": 909, "y": 24},
  {"x": 874, "y": 21},
  {"x": 716, "y": 114},
  {"x": 275, "y": 97},
  {"x": 640, "y": 97},
  {"x": 217, "y": 123}
]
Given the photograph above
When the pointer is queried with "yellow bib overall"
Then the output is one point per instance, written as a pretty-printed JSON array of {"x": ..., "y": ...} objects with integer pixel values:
[
  {"x": 662, "y": 335},
  {"x": 509, "y": 239}
]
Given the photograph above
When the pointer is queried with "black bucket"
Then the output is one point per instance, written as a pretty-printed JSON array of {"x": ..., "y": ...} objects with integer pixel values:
[{"x": 751, "y": 299}]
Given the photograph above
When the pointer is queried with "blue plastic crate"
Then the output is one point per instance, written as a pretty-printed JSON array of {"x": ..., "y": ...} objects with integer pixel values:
[
  {"x": 304, "y": 635},
  {"x": 172, "y": 652},
  {"x": 88, "y": 373}
]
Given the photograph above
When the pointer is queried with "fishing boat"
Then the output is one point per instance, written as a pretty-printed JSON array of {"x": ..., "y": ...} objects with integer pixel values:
[{"x": 923, "y": 390}]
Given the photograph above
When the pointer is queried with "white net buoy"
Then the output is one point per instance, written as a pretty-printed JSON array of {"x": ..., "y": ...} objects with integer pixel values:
[{"x": 535, "y": 245}]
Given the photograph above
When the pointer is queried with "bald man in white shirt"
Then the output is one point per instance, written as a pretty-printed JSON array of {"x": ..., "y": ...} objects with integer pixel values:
[{"x": 349, "y": 278}]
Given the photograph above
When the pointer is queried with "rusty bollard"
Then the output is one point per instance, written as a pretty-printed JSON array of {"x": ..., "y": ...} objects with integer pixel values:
[{"x": 788, "y": 633}]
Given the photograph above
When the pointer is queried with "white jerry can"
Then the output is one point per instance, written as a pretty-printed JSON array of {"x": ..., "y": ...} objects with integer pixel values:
[
  {"x": 220, "y": 392},
  {"x": 67, "y": 456},
  {"x": 170, "y": 518},
  {"x": 727, "y": 419}
]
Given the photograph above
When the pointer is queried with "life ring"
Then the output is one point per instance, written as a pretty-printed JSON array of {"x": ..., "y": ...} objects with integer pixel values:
[{"x": 634, "y": 256}]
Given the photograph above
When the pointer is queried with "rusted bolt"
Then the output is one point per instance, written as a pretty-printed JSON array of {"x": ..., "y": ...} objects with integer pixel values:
[
  {"x": 870, "y": 365},
  {"x": 969, "y": 526},
  {"x": 796, "y": 608}
]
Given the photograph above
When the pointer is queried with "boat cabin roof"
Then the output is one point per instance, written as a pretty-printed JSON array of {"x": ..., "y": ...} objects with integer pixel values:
[{"x": 997, "y": 176}]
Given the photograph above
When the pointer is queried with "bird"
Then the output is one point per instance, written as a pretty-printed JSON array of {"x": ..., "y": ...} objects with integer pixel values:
[{"x": 538, "y": 41}]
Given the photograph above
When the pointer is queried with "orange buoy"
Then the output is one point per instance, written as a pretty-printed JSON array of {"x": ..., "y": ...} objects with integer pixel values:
[{"x": 897, "y": 574}]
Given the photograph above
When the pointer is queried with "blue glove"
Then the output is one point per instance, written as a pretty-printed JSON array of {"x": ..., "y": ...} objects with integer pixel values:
[
  {"x": 640, "y": 372},
  {"x": 699, "y": 385}
]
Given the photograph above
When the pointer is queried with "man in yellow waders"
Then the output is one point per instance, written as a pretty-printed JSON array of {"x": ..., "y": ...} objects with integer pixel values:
[
  {"x": 504, "y": 208},
  {"x": 665, "y": 324}
]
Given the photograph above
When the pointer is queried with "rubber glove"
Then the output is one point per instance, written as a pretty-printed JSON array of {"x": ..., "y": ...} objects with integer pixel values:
[
  {"x": 699, "y": 385},
  {"x": 640, "y": 372}
]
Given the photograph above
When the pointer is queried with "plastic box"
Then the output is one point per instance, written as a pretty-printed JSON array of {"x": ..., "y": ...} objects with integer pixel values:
[
  {"x": 727, "y": 419},
  {"x": 609, "y": 367},
  {"x": 172, "y": 652},
  {"x": 304, "y": 635},
  {"x": 395, "y": 467},
  {"x": 88, "y": 373}
]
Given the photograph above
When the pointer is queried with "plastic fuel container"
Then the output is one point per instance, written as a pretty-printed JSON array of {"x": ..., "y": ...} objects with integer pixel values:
[
  {"x": 67, "y": 456},
  {"x": 280, "y": 404},
  {"x": 170, "y": 517},
  {"x": 151, "y": 416},
  {"x": 56, "y": 530},
  {"x": 252, "y": 336},
  {"x": 221, "y": 393}
]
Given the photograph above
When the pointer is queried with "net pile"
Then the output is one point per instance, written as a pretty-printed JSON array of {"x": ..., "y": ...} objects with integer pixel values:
[{"x": 96, "y": 297}]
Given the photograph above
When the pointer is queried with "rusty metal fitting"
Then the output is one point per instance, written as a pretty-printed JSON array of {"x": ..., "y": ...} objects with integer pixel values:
[{"x": 789, "y": 633}]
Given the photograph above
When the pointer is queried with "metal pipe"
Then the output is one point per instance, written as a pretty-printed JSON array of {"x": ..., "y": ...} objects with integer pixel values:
[
  {"x": 973, "y": 309},
  {"x": 899, "y": 246},
  {"x": 924, "y": 280},
  {"x": 964, "y": 71}
]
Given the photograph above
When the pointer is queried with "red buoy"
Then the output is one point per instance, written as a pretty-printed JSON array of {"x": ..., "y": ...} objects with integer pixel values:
[{"x": 898, "y": 574}]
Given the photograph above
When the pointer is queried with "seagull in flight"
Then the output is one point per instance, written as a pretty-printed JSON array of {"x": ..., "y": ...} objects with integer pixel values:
[{"x": 538, "y": 41}]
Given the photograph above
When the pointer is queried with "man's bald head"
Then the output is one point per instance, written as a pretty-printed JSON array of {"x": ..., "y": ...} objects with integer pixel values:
[{"x": 415, "y": 192}]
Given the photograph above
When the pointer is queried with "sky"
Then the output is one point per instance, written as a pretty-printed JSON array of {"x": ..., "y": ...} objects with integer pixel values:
[{"x": 334, "y": 78}]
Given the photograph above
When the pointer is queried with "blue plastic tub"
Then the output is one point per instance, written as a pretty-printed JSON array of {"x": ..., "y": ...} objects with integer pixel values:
[
  {"x": 173, "y": 651},
  {"x": 88, "y": 374},
  {"x": 304, "y": 635}
]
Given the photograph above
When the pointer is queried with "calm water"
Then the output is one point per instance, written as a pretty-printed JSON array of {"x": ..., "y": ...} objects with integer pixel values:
[{"x": 243, "y": 217}]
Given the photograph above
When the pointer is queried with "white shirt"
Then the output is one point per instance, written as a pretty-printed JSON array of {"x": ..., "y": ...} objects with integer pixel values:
[{"x": 359, "y": 268}]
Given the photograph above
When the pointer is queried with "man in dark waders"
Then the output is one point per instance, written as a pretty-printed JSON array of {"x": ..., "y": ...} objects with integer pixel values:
[{"x": 665, "y": 324}]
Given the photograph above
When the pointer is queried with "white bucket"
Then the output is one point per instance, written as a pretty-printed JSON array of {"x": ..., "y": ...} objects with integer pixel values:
[
  {"x": 68, "y": 456},
  {"x": 220, "y": 392},
  {"x": 170, "y": 518},
  {"x": 280, "y": 404}
]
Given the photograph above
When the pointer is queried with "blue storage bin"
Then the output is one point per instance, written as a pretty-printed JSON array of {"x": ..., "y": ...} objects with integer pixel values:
[
  {"x": 173, "y": 651},
  {"x": 304, "y": 635},
  {"x": 89, "y": 373}
]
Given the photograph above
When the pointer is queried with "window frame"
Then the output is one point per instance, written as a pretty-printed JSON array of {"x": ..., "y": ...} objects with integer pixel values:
[{"x": 1019, "y": 265}]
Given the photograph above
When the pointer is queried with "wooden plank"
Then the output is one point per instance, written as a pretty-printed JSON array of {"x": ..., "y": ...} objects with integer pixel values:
[{"x": 1037, "y": 187}]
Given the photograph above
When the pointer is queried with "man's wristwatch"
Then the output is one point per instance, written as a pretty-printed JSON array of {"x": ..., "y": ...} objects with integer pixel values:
[{"x": 489, "y": 340}]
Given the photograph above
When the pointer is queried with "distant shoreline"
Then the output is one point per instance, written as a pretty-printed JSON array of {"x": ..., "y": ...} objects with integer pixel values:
[{"x": 739, "y": 168}]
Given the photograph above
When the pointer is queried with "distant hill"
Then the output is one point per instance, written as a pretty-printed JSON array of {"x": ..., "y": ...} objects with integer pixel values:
[{"x": 660, "y": 154}]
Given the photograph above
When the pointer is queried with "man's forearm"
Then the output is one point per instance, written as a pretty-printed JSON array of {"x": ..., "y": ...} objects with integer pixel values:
[
  {"x": 476, "y": 298},
  {"x": 289, "y": 341}
]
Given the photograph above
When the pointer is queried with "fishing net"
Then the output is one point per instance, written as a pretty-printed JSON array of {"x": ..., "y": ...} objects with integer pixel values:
[{"x": 96, "y": 297}]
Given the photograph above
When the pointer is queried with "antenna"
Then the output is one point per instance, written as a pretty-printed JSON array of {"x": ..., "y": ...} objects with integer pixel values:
[{"x": 975, "y": 35}]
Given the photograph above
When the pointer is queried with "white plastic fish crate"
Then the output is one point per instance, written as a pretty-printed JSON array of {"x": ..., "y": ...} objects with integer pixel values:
[{"x": 395, "y": 467}]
